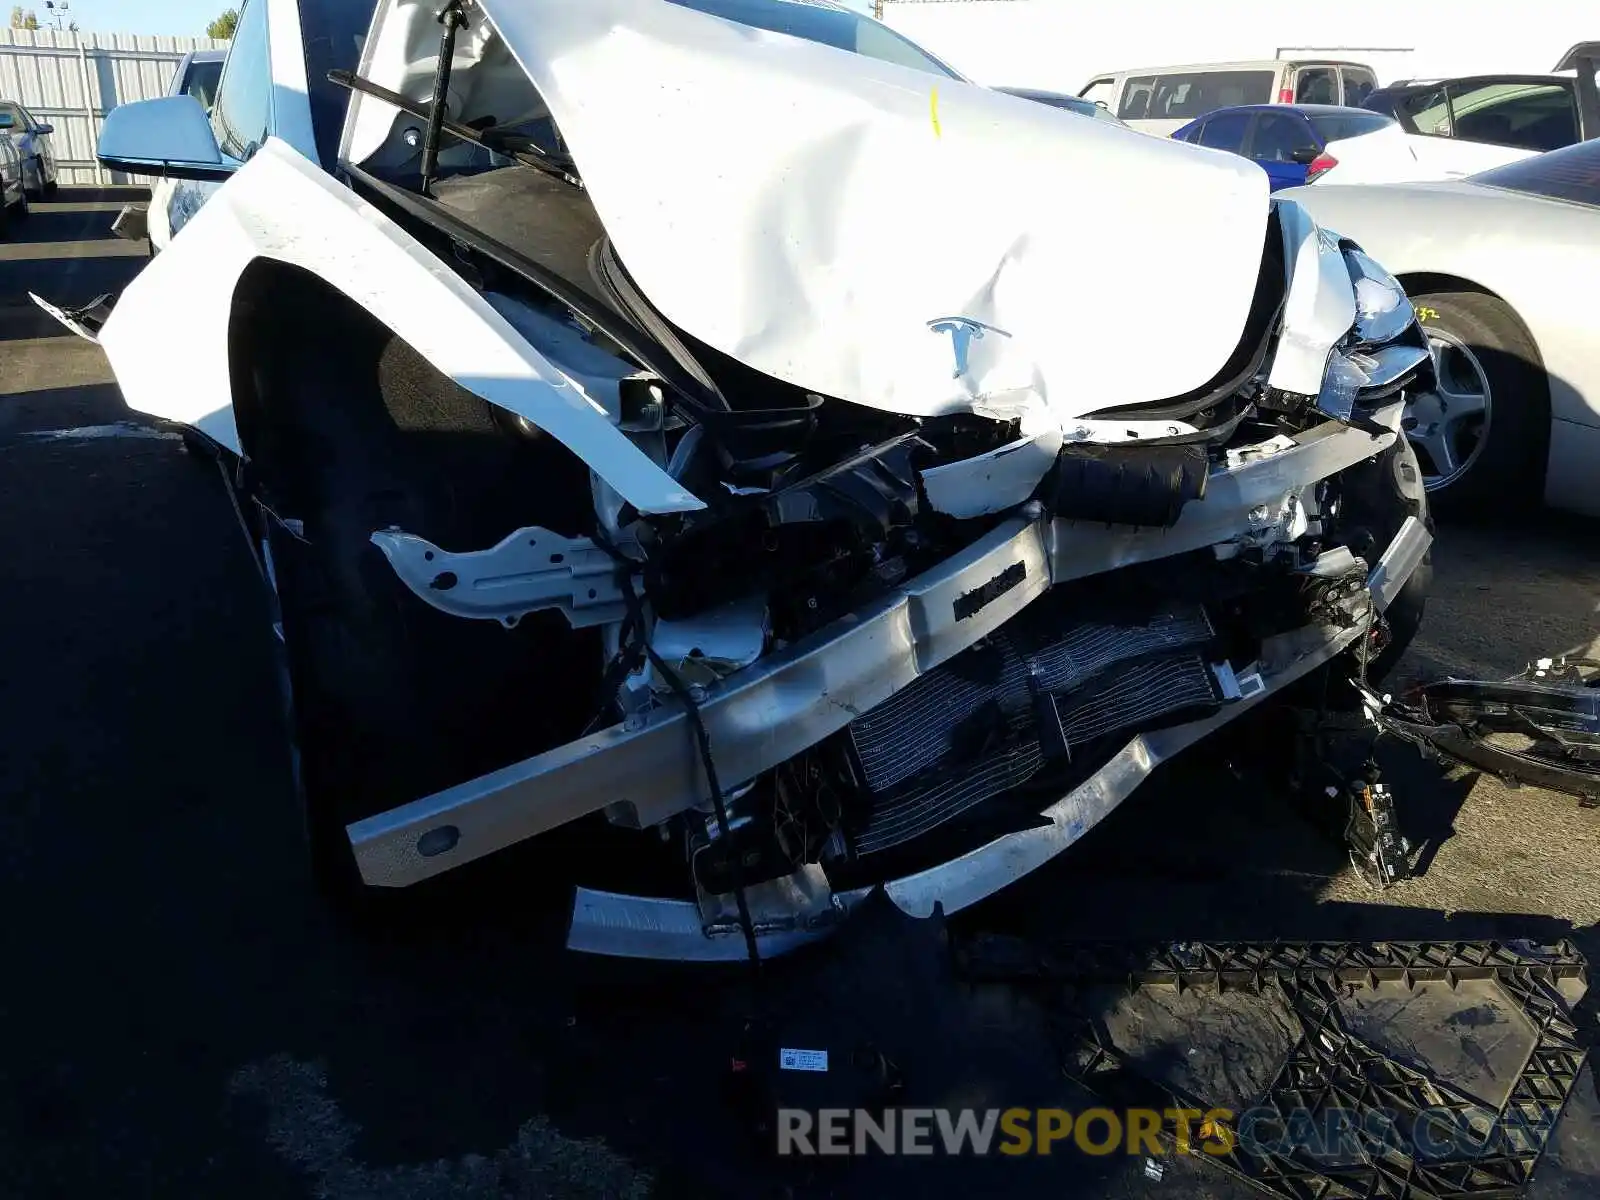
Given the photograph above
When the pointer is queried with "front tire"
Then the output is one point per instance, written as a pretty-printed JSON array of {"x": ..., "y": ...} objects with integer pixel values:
[
  {"x": 39, "y": 189},
  {"x": 388, "y": 699},
  {"x": 1483, "y": 434}
]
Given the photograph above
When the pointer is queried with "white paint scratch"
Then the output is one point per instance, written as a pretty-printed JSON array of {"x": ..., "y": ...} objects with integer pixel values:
[{"x": 89, "y": 433}]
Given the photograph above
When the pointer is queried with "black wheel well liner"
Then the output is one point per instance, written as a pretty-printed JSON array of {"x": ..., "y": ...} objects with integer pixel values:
[{"x": 313, "y": 373}]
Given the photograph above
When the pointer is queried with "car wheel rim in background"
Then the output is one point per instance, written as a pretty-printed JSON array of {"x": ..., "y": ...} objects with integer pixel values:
[{"x": 1449, "y": 426}]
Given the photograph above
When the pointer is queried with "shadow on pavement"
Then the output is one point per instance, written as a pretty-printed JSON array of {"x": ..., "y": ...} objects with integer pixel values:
[{"x": 63, "y": 408}]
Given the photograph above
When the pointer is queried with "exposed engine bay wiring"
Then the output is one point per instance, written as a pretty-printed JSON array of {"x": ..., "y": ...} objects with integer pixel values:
[{"x": 636, "y": 626}]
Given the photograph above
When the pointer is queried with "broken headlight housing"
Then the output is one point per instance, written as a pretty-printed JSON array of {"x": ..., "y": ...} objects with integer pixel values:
[
  {"x": 1383, "y": 351},
  {"x": 1382, "y": 310}
]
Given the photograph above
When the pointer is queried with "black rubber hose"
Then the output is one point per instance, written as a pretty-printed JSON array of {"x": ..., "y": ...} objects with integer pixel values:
[{"x": 702, "y": 742}]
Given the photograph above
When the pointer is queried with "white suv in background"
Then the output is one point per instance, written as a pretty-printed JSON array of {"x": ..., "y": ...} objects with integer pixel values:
[{"x": 1160, "y": 100}]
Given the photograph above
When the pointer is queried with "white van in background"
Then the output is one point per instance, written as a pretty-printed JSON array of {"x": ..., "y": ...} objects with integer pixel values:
[{"x": 1160, "y": 100}]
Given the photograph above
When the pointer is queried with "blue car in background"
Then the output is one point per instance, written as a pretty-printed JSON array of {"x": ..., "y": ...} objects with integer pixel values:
[{"x": 1296, "y": 144}]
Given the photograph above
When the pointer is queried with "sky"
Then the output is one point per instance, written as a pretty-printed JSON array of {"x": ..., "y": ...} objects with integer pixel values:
[{"x": 186, "y": 17}]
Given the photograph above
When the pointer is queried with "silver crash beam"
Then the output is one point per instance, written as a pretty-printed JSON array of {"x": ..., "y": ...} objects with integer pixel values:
[
  {"x": 646, "y": 771},
  {"x": 648, "y": 927}
]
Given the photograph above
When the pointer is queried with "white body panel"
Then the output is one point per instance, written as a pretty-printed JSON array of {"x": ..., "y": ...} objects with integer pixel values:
[
  {"x": 178, "y": 368},
  {"x": 1390, "y": 155},
  {"x": 1382, "y": 156},
  {"x": 816, "y": 214},
  {"x": 1540, "y": 256},
  {"x": 1455, "y": 158}
]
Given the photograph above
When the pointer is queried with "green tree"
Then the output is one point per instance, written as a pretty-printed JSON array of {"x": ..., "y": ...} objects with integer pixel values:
[
  {"x": 24, "y": 20},
  {"x": 222, "y": 28}
]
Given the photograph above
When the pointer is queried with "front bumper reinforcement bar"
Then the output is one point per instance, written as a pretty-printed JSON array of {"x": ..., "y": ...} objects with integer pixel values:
[
  {"x": 646, "y": 770},
  {"x": 650, "y": 927}
]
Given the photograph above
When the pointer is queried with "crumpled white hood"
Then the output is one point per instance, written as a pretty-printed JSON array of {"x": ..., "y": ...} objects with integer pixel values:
[{"x": 874, "y": 233}]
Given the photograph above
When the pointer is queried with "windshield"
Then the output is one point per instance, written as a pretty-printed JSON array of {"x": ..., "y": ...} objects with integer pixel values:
[
  {"x": 1087, "y": 108},
  {"x": 1336, "y": 126},
  {"x": 836, "y": 27},
  {"x": 1185, "y": 95},
  {"x": 1571, "y": 174},
  {"x": 202, "y": 82}
]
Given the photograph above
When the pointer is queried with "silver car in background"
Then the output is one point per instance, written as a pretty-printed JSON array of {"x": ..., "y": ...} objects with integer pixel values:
[
  {"x": 1500, "y": 268},
  {"x": 31, "y": 139},
  {"x": 13, "y": 195}
]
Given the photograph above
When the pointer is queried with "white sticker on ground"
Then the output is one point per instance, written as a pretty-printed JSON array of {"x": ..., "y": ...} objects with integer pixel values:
[
  {"x": 803, "y": 1060},
  {"x": 307, "y": 1129}
]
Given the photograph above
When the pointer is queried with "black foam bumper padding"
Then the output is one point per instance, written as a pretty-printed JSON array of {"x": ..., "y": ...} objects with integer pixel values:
[{"x": 1126, "y": 485}]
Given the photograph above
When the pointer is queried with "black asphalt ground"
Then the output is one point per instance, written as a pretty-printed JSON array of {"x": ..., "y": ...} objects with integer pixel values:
[{"x": 182, "y": 1017}]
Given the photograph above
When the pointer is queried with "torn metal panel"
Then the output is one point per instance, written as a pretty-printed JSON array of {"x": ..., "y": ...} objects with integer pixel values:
[
  {"x": 992, "y": 482},
  {"x": 712, "y": 645}
]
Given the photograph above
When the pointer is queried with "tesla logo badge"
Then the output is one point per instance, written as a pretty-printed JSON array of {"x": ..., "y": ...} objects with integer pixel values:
[{"x": 962, "y": 331}]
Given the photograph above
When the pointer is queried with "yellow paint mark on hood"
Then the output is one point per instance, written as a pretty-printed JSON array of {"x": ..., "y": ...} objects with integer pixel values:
[{"x": 933, "y": 110}]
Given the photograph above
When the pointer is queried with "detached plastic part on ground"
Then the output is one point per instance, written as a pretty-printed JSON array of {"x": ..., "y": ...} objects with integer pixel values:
[
  {"x": 1541, "y": 727},
  {"x": 1403, "y": 1070},
  {"x": 1403, "y": 1132}
]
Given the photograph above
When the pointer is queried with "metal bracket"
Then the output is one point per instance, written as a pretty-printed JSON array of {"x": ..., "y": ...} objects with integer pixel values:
[{"x": 531, "y": 570}]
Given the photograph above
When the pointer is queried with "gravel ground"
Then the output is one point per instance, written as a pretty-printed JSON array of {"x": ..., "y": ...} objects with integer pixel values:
[{"x": 184, "y": 1019}]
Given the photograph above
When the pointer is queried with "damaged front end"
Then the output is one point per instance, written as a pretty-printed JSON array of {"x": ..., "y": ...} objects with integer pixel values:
[{"x": 851, "y": 638}]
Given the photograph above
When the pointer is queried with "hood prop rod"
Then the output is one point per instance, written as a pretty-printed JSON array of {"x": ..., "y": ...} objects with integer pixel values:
[{"x": 452, "y": 17}]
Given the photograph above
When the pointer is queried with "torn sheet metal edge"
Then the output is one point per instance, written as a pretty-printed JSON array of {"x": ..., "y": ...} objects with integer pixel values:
[
  {"x": 993, "y": 481},
  {"x": 648, "y": 927},
  {"x": 1320, "y": 308},
  {"x": 789, "y": 701},
  {"x": 711, "y": 645},
  {"x": 180, "y": 371},
  {"x": 529, "y": 570},
  {"x": 801, "y": 902}
]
